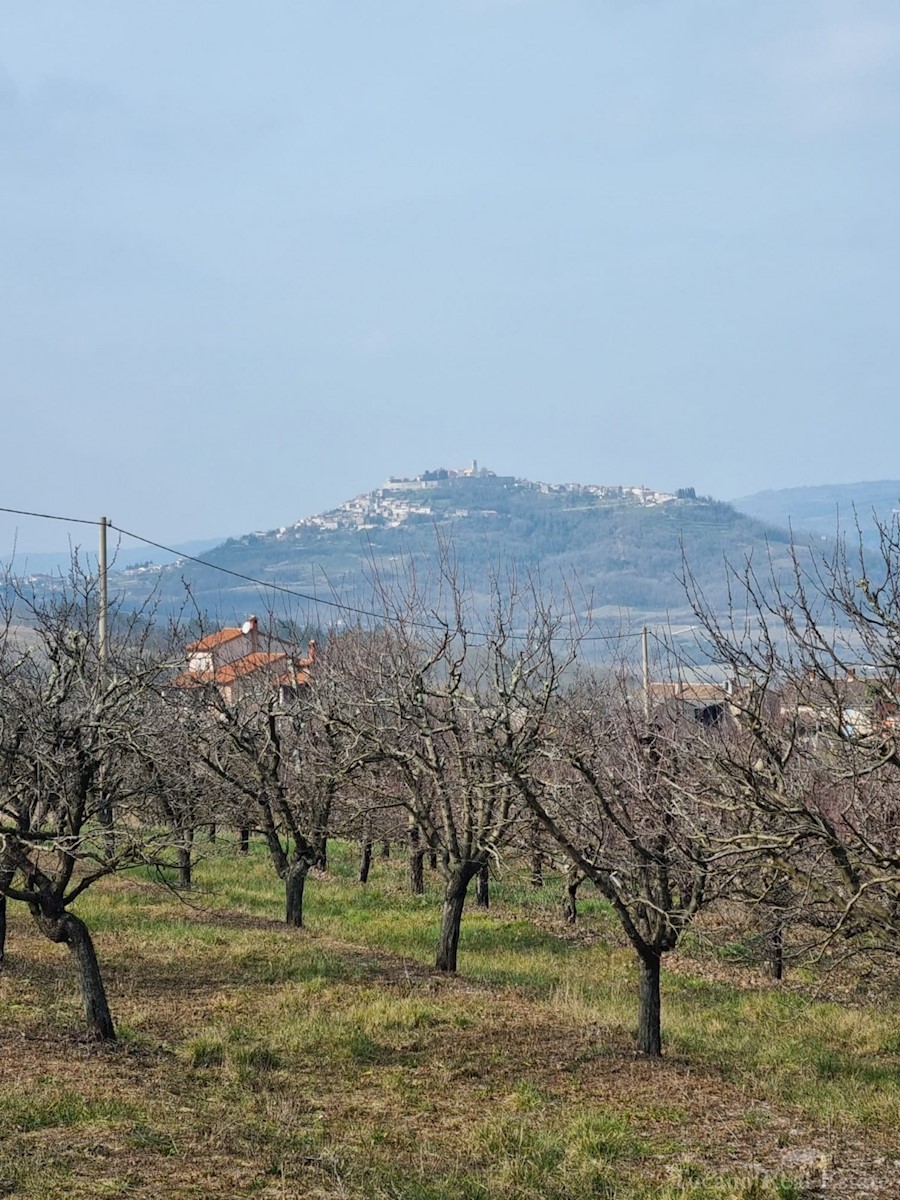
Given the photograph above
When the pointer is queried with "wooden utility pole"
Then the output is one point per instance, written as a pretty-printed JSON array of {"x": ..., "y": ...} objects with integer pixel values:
[
  {"x": 645, "y": 658},
  {"x": 103, "y": 616},
  {"x": 105, "y": 808}
]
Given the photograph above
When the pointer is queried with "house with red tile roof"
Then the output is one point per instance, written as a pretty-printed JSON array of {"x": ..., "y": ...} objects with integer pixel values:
[{"x": 239, "y": 661}]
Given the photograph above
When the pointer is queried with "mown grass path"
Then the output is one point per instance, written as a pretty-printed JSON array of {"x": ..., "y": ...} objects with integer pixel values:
[{"x": 332, "y": 1062}]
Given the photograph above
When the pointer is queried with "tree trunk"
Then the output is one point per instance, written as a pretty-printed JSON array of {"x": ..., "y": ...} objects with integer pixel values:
[
  {"x": 365, "y": 860},
  {"x": 451, "y": 917},
  {"x": 109, "y": 828},
  {"x": 570, "y": 897},
  {"x": 212, "y": 831},
  {"x": 775, "y": 951},
  {"x": 537, "y": 869},
  {"x": 432, "y": 859},
  {"x": 415, "y": 872},
  {"x": 2, "y": 928},
  {"x": 483, "y": 887},
  {"x": 321, "y": 852},
  {"x": 184, "y": 868},
  {"x": 386, "y": 848},
  {"x": 649, "y": 1036},
  {"x": 70, "y": 930},
  {"x": 244, "y": 840},
  {"x": 294, "y": 881}
]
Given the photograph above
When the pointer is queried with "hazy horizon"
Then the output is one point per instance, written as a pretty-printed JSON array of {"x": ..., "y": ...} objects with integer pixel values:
[{"x": 256, "y": 260}]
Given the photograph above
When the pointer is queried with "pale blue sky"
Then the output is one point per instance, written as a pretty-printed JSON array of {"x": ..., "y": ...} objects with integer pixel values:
[{"x": 256, "y": 257}]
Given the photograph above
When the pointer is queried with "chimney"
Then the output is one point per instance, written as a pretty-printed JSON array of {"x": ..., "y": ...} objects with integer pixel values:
[
  {"x": 253, "y": 632},
  {"x": 311, "y": 651}
]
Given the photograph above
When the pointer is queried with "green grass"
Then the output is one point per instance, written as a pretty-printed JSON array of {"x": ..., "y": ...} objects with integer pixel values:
[
  {"x": 258, "y": 1060},
  {"x": 835, "y": 1061}
]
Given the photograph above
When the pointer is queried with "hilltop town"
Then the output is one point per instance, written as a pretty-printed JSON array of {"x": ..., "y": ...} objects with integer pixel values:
[
  {"x": 399, "y": 499},
  {"x": 624, "y": 543}
]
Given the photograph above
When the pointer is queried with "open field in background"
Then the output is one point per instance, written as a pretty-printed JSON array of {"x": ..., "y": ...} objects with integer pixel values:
[{"x": 332, "y": 1062}]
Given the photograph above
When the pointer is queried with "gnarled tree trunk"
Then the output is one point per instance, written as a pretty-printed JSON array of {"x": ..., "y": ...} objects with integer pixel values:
[
  {"x": 570, "y": 896},
  {"x": 243, "y": 840},
  {"x": 65, "y": 927}
]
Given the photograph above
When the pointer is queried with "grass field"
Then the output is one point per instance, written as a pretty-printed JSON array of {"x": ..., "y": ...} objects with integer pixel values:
[{"x": 332, "y": 1062}]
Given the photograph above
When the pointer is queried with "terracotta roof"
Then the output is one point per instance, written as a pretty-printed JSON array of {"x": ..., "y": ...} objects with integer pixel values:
[
  {"x": 247, "y": 665},
  {"x": 231, "y": 671},
  {"x": 214, "y": 639}
]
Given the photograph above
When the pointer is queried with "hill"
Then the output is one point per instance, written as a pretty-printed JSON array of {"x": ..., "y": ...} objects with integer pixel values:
[
  {"x": 820, "y": 511},
  {"x": 621, "y": 546}
]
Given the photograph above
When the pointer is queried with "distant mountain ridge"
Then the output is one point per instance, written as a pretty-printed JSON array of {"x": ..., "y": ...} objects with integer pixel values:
[
  {"x": 819, "y": 511},
  {"x": 122, "y": 558}
]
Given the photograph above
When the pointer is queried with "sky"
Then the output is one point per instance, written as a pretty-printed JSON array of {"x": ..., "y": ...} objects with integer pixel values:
[{"x": 255, "y": 258}]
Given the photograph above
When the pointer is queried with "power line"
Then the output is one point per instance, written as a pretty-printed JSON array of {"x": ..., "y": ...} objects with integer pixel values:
[
  {"x": 21, "y": 512},
  {"x": 275, "y": 587},
  {"x": 349, "y": 608},
  {"x": 287, "y": 591}
]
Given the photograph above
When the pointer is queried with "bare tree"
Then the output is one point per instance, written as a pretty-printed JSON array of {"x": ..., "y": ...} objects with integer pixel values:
[
  {"x": 443, "y": 710},
  {"x": 278, "y": 752},
  {"x": 815, "y": 662},
  {"x": 623, "y": 800},
  {"x": 74, "y": 736}
]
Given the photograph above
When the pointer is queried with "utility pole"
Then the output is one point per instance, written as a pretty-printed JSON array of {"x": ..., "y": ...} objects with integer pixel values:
[
  {"x": 105, "y": 811},
  {"x": 645, "y": 657},
  {"x": 103, "y": 616}
]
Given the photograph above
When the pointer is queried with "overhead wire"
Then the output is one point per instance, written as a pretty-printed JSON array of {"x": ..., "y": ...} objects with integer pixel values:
[{"x": 288, "y": 591}]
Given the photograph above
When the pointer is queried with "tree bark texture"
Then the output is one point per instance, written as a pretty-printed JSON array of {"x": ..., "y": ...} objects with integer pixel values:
[
  {"x": 365, "y": 860},
  {"x": 184, "y": 868},
  {"x": 570, "y": 896},
  {"x": 483, "y": 887},
  {"x": 321, "y": 863},
  {"x": 649, "y": 1036},
  {"x": 451, "y": 918},
  {"x": 294, "y": 882},
  {"x": 73, "y": 933},
  {"x": 775, "y": 951},
  {"x": 416, "y": 874},
  {"x": 2, "y": 928},
  {"x": 415, "y": 869}
]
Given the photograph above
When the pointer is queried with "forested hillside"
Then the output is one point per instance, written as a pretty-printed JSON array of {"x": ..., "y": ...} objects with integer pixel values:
[{"x": 622, "y": 555}]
